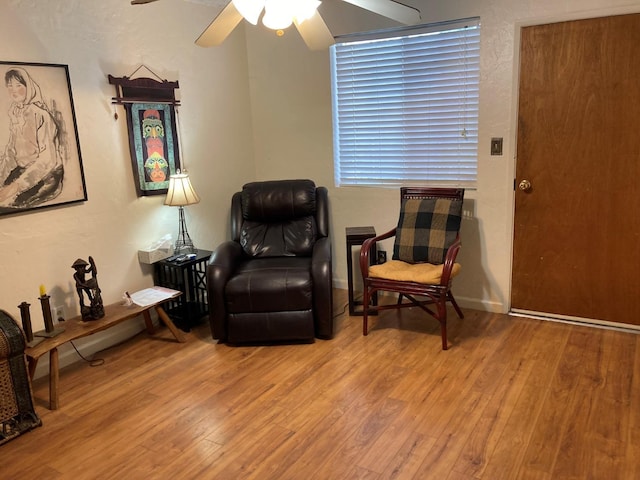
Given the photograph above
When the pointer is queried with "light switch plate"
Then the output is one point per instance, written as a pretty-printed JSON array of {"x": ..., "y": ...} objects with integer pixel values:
[{"x": 496, "y": 146}]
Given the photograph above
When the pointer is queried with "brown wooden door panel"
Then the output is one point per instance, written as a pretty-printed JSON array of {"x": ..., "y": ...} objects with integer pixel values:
[{"x": 577, "y": 230}]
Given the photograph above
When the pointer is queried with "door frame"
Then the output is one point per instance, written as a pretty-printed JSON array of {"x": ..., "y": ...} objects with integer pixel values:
[{"x": 519, "y": 24}]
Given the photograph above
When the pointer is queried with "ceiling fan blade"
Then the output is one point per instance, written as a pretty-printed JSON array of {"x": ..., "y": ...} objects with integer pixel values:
[
  {"x": 315, "y": 32},
  {"x": 390, "y": 9},
  {"x": 141, "y": 2},
  {"x": 220, "y": 27}
]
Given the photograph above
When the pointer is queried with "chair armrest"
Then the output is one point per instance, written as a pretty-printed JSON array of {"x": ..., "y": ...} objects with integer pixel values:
[
  {"x": 321, "y": 273},
  {"x": 449, "y": 260},
  {"x": 367, "y": 246},
  {"x": 222, "y": 263}
]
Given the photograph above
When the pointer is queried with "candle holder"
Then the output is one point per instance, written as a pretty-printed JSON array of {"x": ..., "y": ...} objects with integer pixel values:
[
  {"x": 25, "y": 315},
  {"x": 49, "y": 330}
]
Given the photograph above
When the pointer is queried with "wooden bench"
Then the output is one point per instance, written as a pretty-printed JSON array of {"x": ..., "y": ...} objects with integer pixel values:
[{"x": 75, "y": 328}]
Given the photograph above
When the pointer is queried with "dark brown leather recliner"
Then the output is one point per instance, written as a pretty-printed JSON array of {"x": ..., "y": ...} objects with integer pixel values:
[{"x": 272, "y": 281}]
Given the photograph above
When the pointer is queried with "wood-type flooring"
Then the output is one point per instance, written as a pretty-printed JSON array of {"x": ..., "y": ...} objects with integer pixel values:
[{"x": 513, "y": 398}]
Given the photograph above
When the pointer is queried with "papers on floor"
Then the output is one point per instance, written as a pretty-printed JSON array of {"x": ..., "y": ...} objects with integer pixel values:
[{"x": 153, "y": 295}]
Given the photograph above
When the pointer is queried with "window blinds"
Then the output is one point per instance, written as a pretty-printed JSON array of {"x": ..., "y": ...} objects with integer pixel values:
[{"x": 405, "y": 108}]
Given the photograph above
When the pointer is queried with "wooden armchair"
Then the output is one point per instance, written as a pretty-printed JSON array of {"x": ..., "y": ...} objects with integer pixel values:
[{"x": 424, "y": 264}]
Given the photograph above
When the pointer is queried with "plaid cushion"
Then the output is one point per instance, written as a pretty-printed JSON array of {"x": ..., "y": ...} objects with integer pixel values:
[{"x": 426, "y": 229}]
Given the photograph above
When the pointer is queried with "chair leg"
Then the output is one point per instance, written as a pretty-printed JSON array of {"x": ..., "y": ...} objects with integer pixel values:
[
  {"x": 442, "y": 318},
  {"x": 455, "y": 304},
  {"x": 365, "y": 310},
  {"x": 443, "y": 332}
]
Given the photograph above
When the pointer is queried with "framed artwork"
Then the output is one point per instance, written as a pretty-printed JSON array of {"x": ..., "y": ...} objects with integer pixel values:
[
  {"x": 151, "y": 120},
  {"x": 40, "y": 160},
  {"x": 153, "y": 143}
]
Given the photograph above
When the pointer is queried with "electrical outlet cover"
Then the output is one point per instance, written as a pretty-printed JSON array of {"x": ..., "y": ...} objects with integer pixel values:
[{"x": 58, "y": 313}]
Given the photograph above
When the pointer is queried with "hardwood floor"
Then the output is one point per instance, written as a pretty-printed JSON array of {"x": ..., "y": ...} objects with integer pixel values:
[{"x": 513, "y": 398}]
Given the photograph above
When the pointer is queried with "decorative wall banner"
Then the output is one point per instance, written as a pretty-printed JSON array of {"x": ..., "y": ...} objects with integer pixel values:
[
  {"x": 154, "y": 145},
  {"x": 40, "y": 161},
  {"x": 153, "y": 137}
]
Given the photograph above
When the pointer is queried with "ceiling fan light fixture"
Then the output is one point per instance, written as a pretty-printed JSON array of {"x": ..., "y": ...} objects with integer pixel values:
[
  {"x": 249, "y": 9},
  {"x": 278, "y": 14}
]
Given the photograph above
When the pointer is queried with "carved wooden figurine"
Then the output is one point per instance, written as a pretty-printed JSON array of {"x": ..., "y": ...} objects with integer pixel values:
[{"x": 88, "y": 287}]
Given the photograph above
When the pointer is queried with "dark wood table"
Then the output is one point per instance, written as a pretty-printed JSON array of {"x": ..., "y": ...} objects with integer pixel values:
[
  {"x": 189, "y": 277},
  {"x": 356, "y": 236}
]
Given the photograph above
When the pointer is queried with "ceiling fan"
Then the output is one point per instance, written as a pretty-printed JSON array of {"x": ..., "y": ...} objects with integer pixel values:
[{"x": 279, "y": 14}]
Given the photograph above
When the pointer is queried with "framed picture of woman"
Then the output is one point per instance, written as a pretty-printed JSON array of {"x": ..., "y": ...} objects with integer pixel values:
[{"x": 40, "y": 160}]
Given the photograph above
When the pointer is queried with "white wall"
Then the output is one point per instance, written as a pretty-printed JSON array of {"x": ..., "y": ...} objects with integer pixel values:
[
  {"x": 291, "y": 103},
  {"x": 112, "y": 37},
  {"x": 257, "y": 107}
]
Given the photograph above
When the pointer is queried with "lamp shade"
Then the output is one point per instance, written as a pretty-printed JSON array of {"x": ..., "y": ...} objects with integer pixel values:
[
  {"x": 279, "y": 14},
  {"x": 180, "y": 191}
]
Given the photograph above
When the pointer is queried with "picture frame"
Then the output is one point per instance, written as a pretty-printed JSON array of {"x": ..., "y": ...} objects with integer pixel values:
[
  {"x": 153, "y": 143},
  {"x": 40, "y": 158}
]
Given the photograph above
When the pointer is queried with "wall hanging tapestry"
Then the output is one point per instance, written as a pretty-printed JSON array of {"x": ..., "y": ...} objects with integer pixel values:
[{"x": 153, "y": 137}]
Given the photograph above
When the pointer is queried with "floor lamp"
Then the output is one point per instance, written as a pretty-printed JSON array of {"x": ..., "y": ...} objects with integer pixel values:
[{"x": 179, "y": 194}]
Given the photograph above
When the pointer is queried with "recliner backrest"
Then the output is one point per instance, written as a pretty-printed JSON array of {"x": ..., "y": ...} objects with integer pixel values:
[{"x": 278, "y": 218}]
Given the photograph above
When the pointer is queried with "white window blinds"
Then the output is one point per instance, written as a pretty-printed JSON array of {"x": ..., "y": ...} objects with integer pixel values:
[{"x": 405, "y": 108}]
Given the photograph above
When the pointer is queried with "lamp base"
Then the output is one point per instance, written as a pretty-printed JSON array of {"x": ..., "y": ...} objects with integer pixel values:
[
  {"x": 182, "y": 249},
  {"x": 184, "y": 243}
]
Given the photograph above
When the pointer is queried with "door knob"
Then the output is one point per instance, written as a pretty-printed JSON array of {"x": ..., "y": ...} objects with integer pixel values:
[{"x": 524, "y": 185}]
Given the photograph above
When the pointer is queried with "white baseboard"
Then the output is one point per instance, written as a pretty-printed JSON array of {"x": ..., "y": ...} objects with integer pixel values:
[
  {"x": 341, "y": 284},
  {"x": 586, "y": 322},
  {"x": 481, "y": 304}
]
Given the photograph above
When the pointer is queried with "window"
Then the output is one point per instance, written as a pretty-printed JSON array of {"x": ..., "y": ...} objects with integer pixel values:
[{"x": 405, "y": 106}]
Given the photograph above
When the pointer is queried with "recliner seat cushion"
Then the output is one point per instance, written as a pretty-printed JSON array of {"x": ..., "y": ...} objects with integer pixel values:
[{"x": 271, "y": 285}]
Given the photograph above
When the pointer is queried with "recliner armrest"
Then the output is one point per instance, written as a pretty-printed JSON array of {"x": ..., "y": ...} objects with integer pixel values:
[
  {"x": 222, "y": 263},
  {"x": 321, "y": 273}
]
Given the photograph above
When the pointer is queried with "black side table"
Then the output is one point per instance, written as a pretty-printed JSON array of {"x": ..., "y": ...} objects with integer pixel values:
[
  {"x": 357, "y": 236},
  {"x": 189, "y": 277}
]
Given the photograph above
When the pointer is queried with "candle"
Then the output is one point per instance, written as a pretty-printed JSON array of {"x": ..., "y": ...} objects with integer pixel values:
[
  {"x": 26, "y": 320},
  {"x": 43, "y": 291},
  {"x": 46, "y": 313}
]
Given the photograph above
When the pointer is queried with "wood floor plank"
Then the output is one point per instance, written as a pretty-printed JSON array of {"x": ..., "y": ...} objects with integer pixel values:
[
  {"x": 605, "y": 434},
  {"x": 504, "y": 381},
  {"x": 513, "y": 398},
  {"x": 539, "y": 358},
  {"x": 570, "y": 398},
  {"x": 409, "y": 457},
  {"x": 631, "y": 447},
  {"x": 362, "y": 440}
]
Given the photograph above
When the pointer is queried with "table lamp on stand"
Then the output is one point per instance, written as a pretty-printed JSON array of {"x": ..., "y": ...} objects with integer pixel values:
[{"x": 179, "y": 194}]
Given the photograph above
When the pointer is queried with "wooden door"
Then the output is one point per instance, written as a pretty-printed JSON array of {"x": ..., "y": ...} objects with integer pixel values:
[{"x": 577, "y": 228}]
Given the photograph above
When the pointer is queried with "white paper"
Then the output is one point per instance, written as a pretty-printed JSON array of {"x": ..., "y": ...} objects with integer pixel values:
[{"x": 153, "y": 295}]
